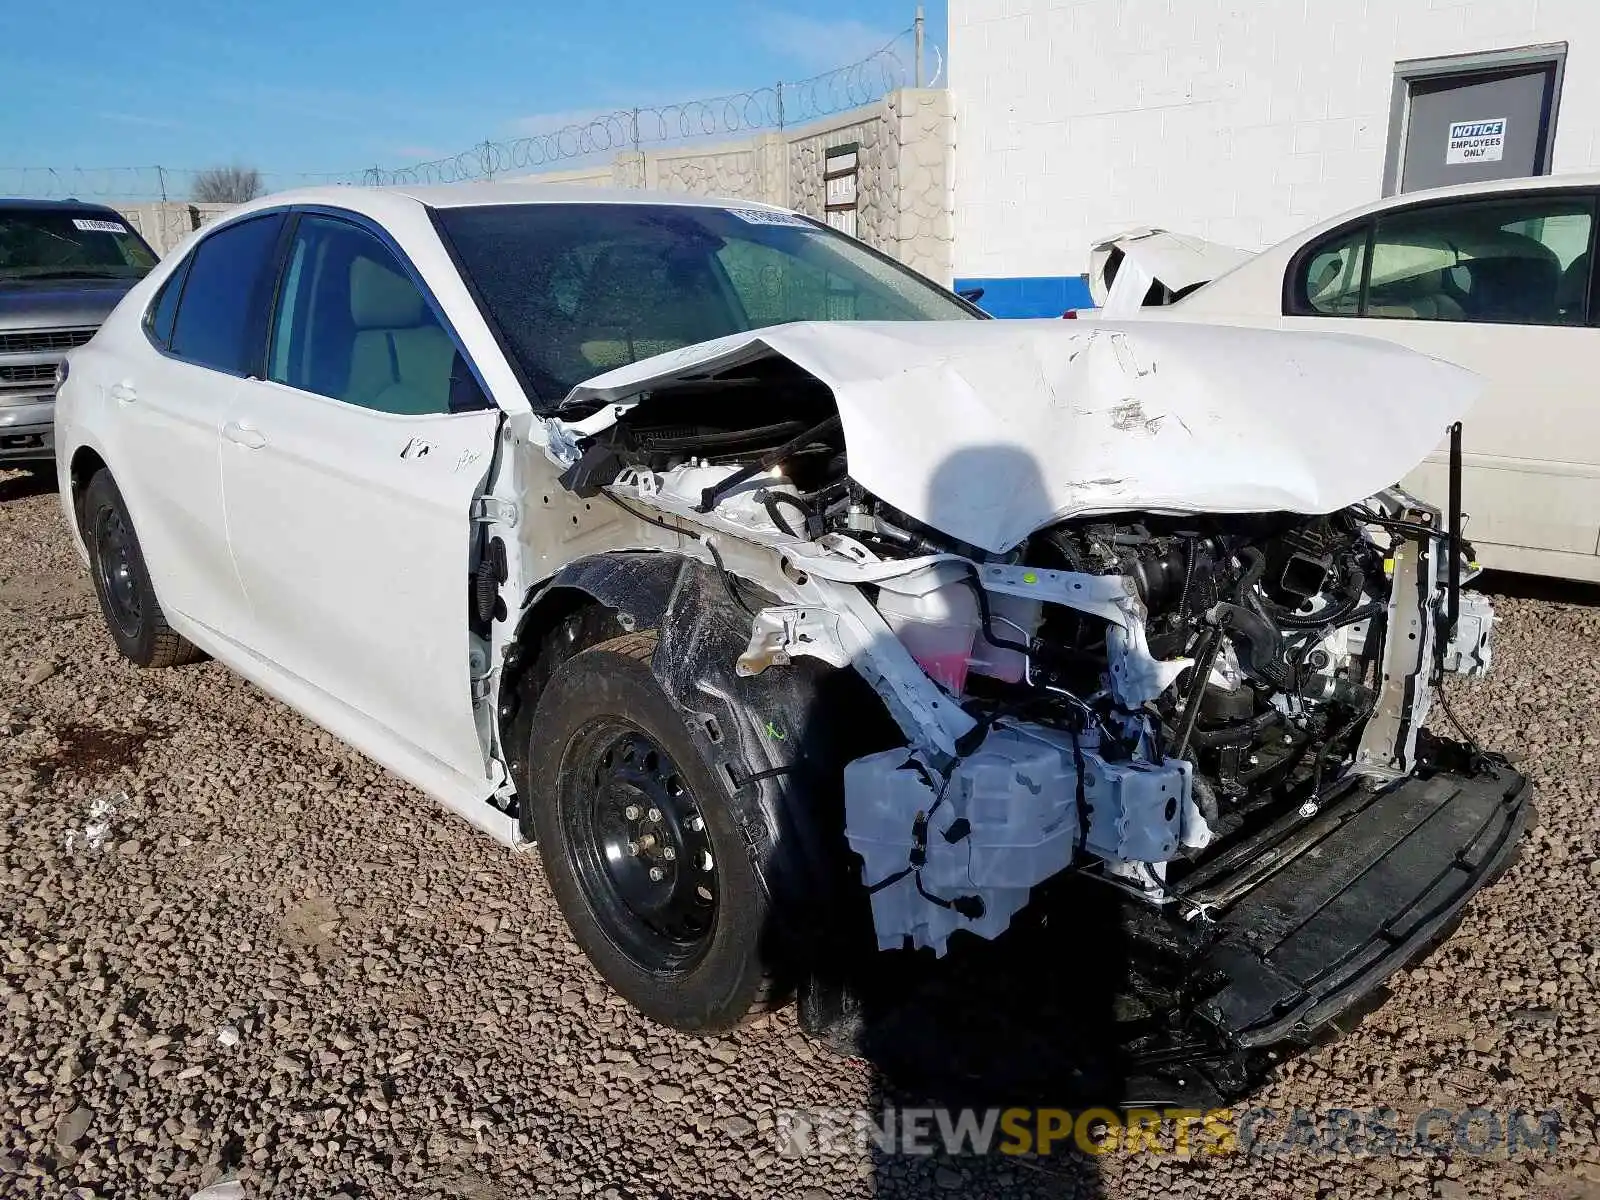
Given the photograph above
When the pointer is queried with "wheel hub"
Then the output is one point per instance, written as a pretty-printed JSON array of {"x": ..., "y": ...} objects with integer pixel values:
[
  {"x": 114, "y": 562},
  {"x": 648, "y": 840}
]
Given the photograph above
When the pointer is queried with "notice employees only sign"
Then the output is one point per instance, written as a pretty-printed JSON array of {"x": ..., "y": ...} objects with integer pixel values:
[{"x": 1476, "y": 141}]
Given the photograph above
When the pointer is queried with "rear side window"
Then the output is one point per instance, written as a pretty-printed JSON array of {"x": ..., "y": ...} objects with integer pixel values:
[
  {"x": 220, "y": 321},
  {"x": 159, "y": 318},
  {"x": 1513, "y": 260}
]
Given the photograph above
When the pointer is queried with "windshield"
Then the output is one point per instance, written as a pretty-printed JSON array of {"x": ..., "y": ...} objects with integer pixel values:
[
  {"x": 64, "y": 244},
  {"x": 578, "y": 289}
]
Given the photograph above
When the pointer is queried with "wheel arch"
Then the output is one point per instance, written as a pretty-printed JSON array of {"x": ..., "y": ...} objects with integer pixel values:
[
  {"x": 589, "y": 601},
  {"x": 780, "y": 739},
  {"x": 86, "y": 463}
]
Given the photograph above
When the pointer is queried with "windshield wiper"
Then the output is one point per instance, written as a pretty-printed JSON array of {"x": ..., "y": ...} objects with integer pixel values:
[{"x": 70, "y": 273}]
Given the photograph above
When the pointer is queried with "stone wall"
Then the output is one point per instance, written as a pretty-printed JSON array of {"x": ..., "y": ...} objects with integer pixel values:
[
  {"x": 751, "y": 170},
  {"x": 166, "y": 223},
  {"x": 904, "y": 199}
]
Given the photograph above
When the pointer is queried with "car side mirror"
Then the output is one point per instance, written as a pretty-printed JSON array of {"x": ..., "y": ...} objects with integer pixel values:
[
  {"x": 466, "y": 393},
  {"x": 971, "y": 295}
]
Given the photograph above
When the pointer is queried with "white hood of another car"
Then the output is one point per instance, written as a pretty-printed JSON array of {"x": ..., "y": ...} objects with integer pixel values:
[
  {"x": 990, "y": 430},
  {"x": 1143, "y": 257}
]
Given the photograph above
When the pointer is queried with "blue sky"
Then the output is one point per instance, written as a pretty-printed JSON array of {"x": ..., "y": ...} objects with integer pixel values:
[{"x": 325, "y": 85}]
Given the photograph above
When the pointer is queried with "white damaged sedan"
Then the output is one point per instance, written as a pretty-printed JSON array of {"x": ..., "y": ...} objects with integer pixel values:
[{"x": 775, "y": 594}]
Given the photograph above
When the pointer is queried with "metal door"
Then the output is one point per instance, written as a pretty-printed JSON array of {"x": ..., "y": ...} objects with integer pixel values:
[{"x": 1472, "y": 127}]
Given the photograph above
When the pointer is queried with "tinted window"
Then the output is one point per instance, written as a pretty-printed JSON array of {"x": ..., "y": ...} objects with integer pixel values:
[
  {"x": 219, "y": 314},
  {"x": 1514, "y": 260},
  {"x": 159, "y": 317},
  {"x": 577, "y": 289},
  {"x": 70, "y": 244},
  {"x": 352, "y": 325}
]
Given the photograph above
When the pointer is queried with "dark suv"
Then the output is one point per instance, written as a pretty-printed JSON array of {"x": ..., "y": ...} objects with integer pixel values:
[{"x": 63, "y": 267}]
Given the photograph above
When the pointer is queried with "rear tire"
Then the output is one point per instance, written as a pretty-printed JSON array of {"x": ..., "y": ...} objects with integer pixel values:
[
  {"x": 122, "y": 581},
  {"x": 641, "y": 844}
]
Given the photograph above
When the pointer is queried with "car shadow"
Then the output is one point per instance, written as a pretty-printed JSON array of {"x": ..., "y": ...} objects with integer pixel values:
[
  {"x": 21, "y": 484},
  {"x": 1538, "y": 587},
  {"x": 1023, "y": 1026}
]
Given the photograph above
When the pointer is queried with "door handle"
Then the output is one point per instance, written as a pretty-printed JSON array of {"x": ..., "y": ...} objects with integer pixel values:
[
  {"x": 124, "y": 392},
  {"x": 244, "y": 435}
]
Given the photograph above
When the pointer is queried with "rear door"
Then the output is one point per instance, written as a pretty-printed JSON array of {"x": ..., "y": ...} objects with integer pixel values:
[
  {"x": 349, "y": 485},
  {"x": 1502, "y": 286},
  {"x": 205, "y": 328}
]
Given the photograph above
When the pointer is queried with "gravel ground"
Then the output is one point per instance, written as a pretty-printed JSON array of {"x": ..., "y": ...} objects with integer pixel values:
[{"x": 270, "y": 961}]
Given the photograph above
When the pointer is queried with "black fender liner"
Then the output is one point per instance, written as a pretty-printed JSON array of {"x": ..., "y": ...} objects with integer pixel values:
[{"x": 780, "y": 739}]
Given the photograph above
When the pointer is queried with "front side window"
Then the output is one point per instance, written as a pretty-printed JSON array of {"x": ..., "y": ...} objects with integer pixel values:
[
  {"x": 1511, "y": 260},
  {"x": 70, "y": 244},
  {"x": 218, "y": 323},
  {"x": 351, "y": 325},
  {"x": 578, "y": 289}
]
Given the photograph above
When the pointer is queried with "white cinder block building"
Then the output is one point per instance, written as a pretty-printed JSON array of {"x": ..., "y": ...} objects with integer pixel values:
[{"x": 1241, "y": 121}]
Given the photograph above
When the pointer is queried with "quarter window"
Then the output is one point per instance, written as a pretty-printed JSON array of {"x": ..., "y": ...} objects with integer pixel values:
[
  {"x": 161, "y": 315},
  {"x": 218, "y": 322},
  {"x": 1515, "y": 260},
  {"x": 351, "y": 325},
  {"x": 1332, "y": 285}
]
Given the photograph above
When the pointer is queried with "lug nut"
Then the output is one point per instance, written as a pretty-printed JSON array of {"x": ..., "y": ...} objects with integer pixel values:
[
  {"x": 657, "y": 874},
  {"x": 653, "y": 815},
  {"x": 631, "y": 812},
  {"x": 696, "y": 824},
  {"x": 669, "y": 854},
  {"x": 633, "y": 849}
]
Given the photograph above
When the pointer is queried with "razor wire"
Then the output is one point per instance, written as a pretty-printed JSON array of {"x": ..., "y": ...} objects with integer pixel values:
[{"x": 776, "y": 107}]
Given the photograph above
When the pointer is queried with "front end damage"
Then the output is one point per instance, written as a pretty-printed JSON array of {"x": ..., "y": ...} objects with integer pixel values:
[{"x": 1134, "y": 617}]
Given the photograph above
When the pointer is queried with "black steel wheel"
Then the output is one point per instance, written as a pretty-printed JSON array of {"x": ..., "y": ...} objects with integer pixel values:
[
  {"x": 114, "y": 557},
  {"x": 637, "y": 830},
  {"x": 122, "y": 581},
  {"x": 640, "y": 846}
]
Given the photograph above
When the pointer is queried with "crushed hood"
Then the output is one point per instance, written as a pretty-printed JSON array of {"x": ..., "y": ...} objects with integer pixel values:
[{"x": 990, "y": 430}]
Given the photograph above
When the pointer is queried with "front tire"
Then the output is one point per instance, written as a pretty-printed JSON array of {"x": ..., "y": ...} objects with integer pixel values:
[
  {"x": 122, "y": 581},
  {"x": 640, "y": 841}
]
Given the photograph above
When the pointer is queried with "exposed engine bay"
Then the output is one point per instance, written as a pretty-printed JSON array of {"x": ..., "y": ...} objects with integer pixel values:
[{"x": 1126, "y": 693}]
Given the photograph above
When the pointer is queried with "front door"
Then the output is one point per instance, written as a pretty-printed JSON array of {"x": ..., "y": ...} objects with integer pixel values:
[{"x": 349, "y": 485}]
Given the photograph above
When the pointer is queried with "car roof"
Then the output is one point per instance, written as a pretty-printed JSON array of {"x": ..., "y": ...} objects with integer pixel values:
[
  {"x": 28, "y": 204},
  {"x": 1532, "y": 183},
  {"x": 379, "y": 202}
]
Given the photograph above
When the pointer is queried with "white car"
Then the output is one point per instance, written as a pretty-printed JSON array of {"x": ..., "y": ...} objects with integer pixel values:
[
  {"x": 783, "y": 600},
  {"x": 1494, "y": 276}
]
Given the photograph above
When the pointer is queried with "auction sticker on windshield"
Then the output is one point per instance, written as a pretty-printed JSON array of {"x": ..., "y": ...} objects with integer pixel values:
[
  {"x": 87, "y": 226},
  {"x": 1476, "y": 141},
  {"x": 760, "y": 216}
]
